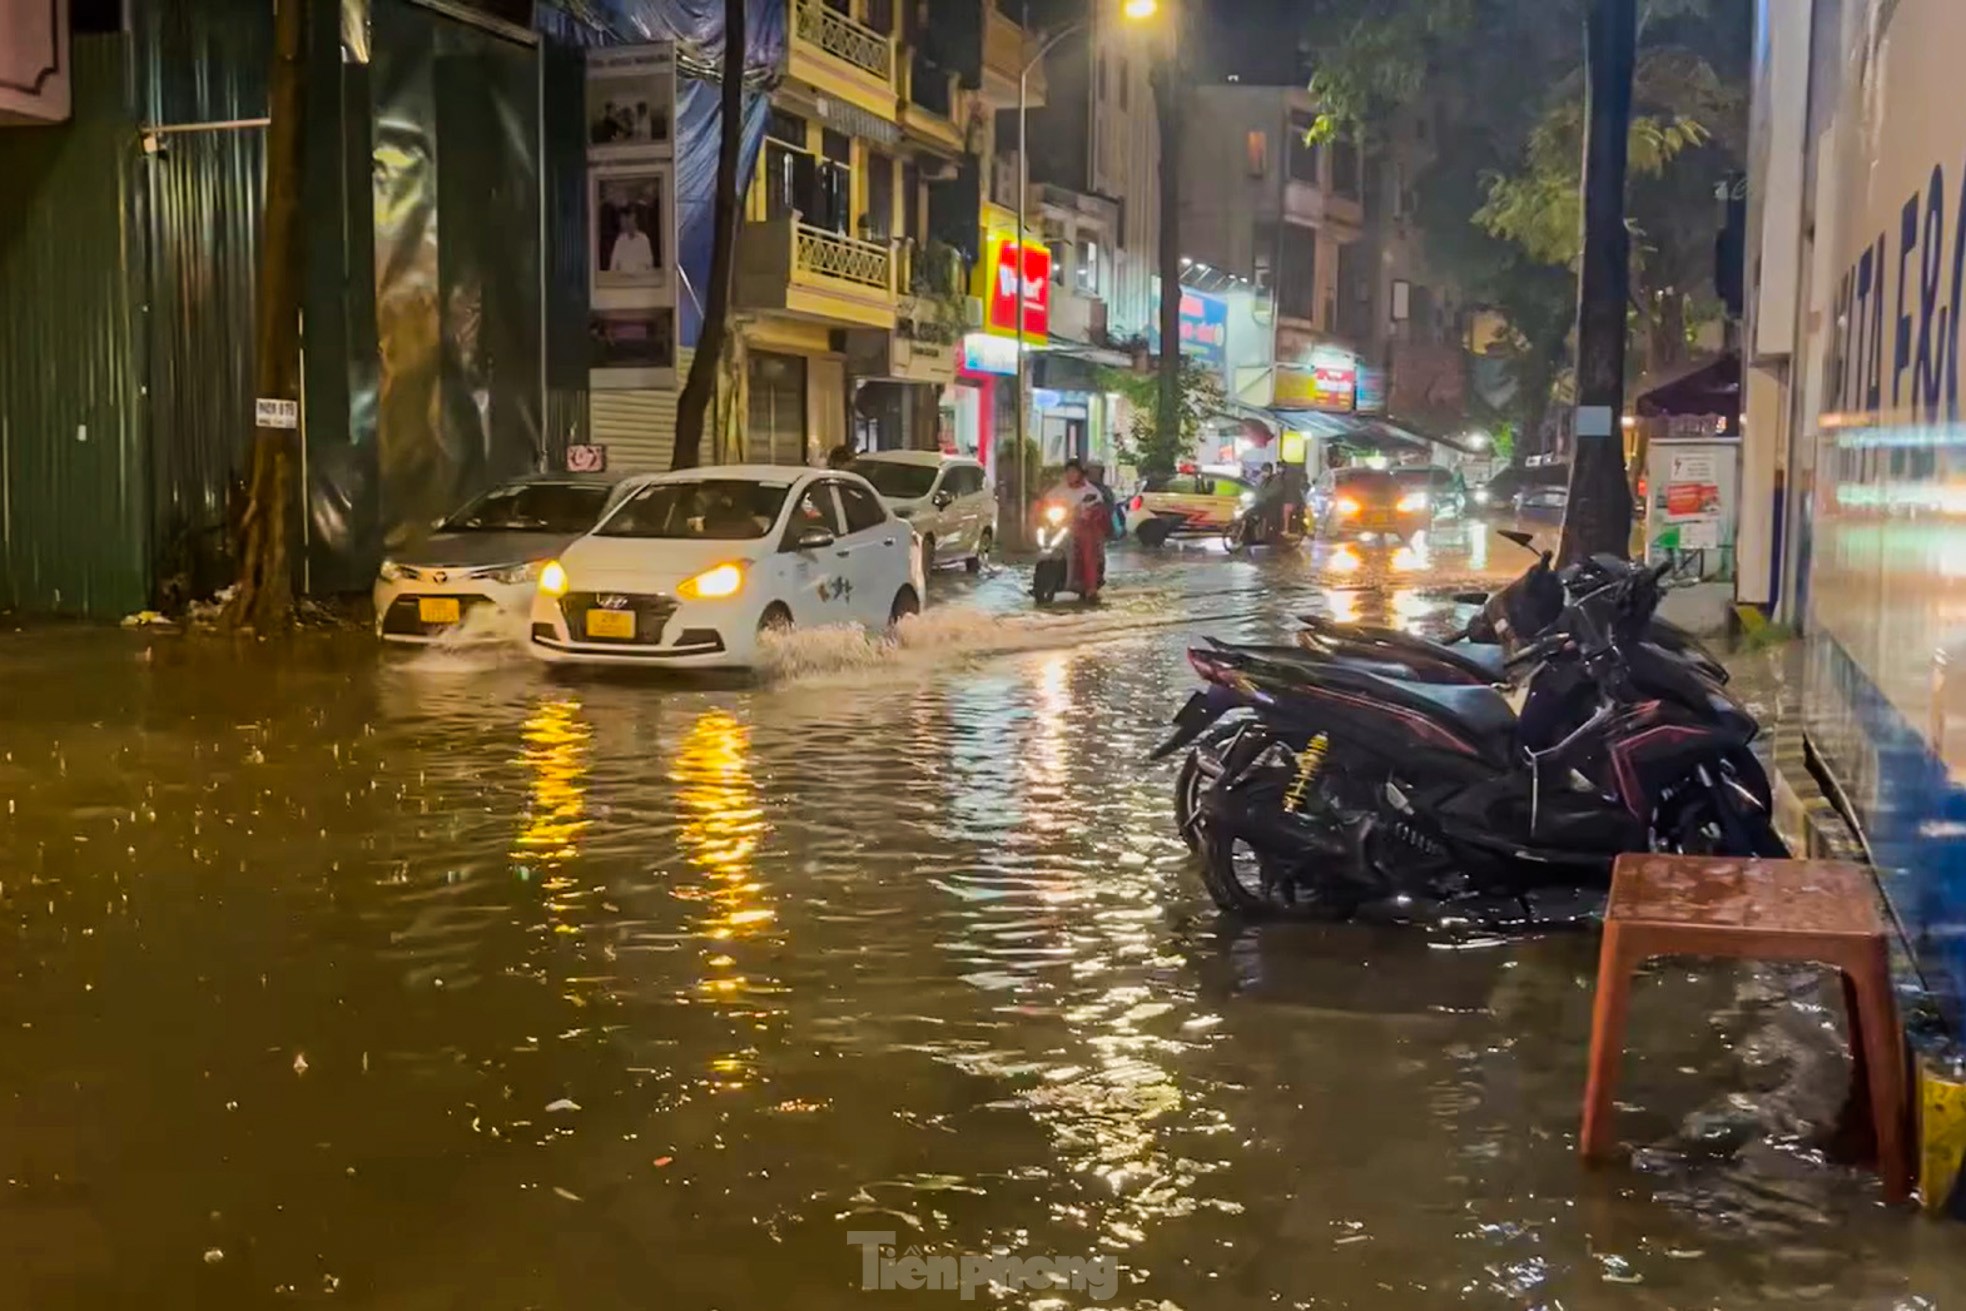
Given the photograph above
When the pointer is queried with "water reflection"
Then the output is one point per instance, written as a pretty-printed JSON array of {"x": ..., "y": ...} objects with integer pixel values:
[
  {"x": 723, "y": 823},
  {"x": 557, "y": 740}
]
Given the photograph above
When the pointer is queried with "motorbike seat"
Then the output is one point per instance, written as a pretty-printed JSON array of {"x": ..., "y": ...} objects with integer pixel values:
[
  {"x": 1482, "y": 660},
  {"x": 1475, "y": 713}
]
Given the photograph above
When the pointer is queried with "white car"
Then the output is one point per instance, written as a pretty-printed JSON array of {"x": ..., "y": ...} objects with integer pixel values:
[
  {"x": 487, "y": 556},
  {"x": 691, "y": 568},
  {"x": 945, "y": 497}
]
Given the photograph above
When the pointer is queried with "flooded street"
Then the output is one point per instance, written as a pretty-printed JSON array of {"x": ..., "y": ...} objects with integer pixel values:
[{"x": 424, "y": 980}]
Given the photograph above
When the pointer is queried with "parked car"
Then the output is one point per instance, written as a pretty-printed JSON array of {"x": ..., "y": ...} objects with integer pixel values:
[
  {"x": 1497, "y": 496},
  {"x": 691, "y": 568},
  {"x": 1359, "y": 503},
  {"x": 488, "y": 554},
  {"x": 1191, "y": 502},
  {"x": 945, "y": 497},
  {"x": 1542, "y": 504}
]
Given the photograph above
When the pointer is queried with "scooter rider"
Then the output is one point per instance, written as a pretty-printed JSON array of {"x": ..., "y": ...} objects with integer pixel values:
[{"x": 1082, "y": 499}]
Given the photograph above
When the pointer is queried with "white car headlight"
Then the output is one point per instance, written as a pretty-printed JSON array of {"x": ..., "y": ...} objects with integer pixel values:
[
  {"x": 713, "y": 584},
  {"x": 1412, "y": 502},
  {"x": 518, "y": 573},
  {"x": 1248, "y": 499},
  {"x": 391, "y": 572}
]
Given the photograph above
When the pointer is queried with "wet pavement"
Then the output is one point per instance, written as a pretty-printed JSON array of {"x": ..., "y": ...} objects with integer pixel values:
[{"x": 422, "y": 980}]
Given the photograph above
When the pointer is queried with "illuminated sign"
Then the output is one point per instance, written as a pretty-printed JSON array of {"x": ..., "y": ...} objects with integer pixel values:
[
  {"x": 1204, "y": 329},
  {"x": 999, "y": 267},
  {"x": 1329, "y": 382},
  {"x": 983, "y": 353}
]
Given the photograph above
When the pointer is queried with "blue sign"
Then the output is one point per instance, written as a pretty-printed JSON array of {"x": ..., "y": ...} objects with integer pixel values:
[{"x": 1204, "y": 328}]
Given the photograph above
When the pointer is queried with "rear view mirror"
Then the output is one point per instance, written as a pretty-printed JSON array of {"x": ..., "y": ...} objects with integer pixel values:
[
  {"x": 813, "y": 539},
  {"x": 943, "y": 499}
]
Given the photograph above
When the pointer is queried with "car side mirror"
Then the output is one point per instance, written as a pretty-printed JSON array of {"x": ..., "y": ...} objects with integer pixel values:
[
  {"x": 942, "y": 500},
  {"x": 813, "y": 539}
]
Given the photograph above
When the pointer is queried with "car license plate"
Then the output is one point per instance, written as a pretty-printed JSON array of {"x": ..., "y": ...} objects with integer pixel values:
[
  {"x": 1373, "y": 523},
  {"x": 611, "y": 623},
  {"x": 437, "y": 609}
]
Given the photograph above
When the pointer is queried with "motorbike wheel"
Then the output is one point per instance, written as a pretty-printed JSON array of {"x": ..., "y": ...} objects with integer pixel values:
[
  {"x": 1046, "y": 579},
  {"x": 1709, "y": 821},
  {"x": 1251, "y": 884}
]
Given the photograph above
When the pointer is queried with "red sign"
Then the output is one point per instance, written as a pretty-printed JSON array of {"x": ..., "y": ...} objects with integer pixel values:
[{"x": 1002, "y": 296}]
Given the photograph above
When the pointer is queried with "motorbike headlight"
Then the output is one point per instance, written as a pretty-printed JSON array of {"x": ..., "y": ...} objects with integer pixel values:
[
  {"x": 1481, "y": 496},
  {"x": 1412, "y": 502},
  {"x": 553, "y": 579},
  {"x": 1248, "y": 499},
  {"x": 1054, "y": 515},
  {"x": 713, "y": 584},
  {"x": 518, "y": 573},
  {"x": 1347, "y": 508},
  {"x": 391, "y": 572}
]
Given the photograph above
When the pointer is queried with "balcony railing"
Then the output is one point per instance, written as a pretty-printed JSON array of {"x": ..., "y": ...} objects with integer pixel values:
[
  {"x": 841, "y": 37},
  {"x": 818, "y": 253}
]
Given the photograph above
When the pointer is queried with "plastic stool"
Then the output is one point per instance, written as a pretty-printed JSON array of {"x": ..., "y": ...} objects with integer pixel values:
[{"x": 1819, "y": 911}]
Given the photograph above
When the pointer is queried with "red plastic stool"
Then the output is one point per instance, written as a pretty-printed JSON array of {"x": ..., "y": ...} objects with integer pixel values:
[{"x": 1819, "y": 911}]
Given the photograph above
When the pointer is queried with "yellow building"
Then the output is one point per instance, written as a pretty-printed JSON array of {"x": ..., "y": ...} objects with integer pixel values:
[{"x": 834, "y": 246}]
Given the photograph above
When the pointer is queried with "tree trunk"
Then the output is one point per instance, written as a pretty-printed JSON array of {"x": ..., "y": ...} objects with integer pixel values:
[
  {"x": 1167, "y": 92},
  {"x": 263, "y": 598},
  {"x": 1599, "y": 518},
  {"x": 694, "y": 404}
]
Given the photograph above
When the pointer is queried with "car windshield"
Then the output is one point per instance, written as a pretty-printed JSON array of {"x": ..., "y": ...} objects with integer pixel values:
[
  {"x": 1423, "y": 476},
  {"x": 532, "y": 508},
  {"x": 897, "y": 478},
  {"x": 1366, "y": 482},
  {"x": 715, "y": 509}
]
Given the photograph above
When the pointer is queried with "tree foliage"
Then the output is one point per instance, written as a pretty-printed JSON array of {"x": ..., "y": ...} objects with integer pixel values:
[
  {"x": 1149, "y": 445},
  {"x": 1498, "y": 199}
]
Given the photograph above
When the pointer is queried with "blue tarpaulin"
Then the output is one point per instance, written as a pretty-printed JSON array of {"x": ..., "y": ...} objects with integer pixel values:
[{"x": 697, "y": 27}]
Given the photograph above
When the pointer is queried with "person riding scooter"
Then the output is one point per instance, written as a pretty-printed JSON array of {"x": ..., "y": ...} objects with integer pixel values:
[{"x": 1090, "y": 519}]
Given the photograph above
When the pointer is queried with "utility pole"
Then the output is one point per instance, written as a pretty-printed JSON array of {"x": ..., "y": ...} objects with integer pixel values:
[
  {"x": 263, "y": 598},
  {"x": 1168, "y": 86},
  {"x": 1600, "y": 510}
]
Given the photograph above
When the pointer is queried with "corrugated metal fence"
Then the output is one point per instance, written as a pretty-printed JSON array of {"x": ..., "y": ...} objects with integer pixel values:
[{"x": 73, "y": 482}]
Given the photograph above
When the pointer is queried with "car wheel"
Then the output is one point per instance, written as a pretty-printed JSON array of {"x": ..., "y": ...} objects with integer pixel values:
[
  {"x": 928, "y": 555},
  {"x": 905, "y": 603},
  {"x": 984, "y": 545},
  {"x": 777, "y": 619},
  {"x": 1154, "y": 532}
]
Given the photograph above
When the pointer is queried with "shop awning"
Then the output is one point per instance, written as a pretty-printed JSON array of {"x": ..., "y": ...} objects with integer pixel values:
[
  {"x": 1354, "y": 429},
  {"x": 1710, "y": 388}
]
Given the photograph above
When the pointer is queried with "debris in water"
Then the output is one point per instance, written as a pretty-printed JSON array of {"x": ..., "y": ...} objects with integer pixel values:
[
  {"x": 300, "y": 1062},
  {"x": 562, "y": 1192},
  {"x": 213, "y": 1256},
  {"x": 564, "y": 1104}
]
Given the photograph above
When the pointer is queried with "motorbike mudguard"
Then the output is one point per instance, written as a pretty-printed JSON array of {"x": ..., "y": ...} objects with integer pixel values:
[{"x": 1196, "y": 717}]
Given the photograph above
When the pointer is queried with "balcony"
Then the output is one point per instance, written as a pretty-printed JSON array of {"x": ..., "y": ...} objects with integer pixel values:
[
  {"x": 838, "y": 56},
  {"x": 928, "y": 112},
  {"x": 788, "y": 267},
  {"x": 1006, "y": 49}
]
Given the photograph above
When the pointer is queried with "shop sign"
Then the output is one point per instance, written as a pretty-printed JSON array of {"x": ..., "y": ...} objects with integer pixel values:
[
  {"x": 1327, "y": 385},
  {"x": 983, "y": 353},
  {"x": 1204, "y": 329},
  {"x": 1000, "y": 261},
  {"x": 1369, "y": 392}
]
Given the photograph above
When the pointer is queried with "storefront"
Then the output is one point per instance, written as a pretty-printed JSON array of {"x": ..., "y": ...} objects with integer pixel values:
[{"x": 978, "y": 413}]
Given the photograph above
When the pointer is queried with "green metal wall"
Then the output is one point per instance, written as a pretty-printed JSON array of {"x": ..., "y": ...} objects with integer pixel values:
[{"x": 74, "y": 486}]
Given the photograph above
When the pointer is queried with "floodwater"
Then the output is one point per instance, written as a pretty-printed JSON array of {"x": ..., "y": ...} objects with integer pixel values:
[{"x": 426, "y": 981}]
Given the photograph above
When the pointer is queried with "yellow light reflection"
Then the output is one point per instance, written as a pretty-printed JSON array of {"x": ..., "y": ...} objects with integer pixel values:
[
  {"x": 723, "y": 825},
  {"x": 557, "y": 738},
  {"x": 1342, "y": 604},
  {"x": 1052, "y": 740}
]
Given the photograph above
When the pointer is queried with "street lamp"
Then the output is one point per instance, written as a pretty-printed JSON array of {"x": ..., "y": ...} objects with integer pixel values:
[{"x": 1134, "y": 10}]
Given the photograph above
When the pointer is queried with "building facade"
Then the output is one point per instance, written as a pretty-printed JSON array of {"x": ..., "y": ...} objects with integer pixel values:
[{"x": 1853, "y": 470}]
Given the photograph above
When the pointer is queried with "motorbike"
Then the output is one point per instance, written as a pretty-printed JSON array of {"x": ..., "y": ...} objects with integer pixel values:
[
  {"x": 1057, "y": 541},
  {"x": 1347, "y": 793},
  {"x": 1475, "y": 655}
]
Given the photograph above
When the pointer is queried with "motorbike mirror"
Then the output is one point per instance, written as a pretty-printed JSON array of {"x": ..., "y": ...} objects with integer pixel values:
[{"x": 1522, "y": 539}]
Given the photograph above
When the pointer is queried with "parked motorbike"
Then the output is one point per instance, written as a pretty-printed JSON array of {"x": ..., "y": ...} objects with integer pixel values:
[
  {"x": 1346, "y": 792},
  {"x": 1475, "y": 655}
]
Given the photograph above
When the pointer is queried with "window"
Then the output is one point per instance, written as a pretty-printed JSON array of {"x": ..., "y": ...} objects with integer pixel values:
[
  {"x": 902, "y": 479},
  {"x": 1102, "y": 76},
  {"x": 816, "y": 509},
  {"x": 1057, "y": 249},
  {"x": 532, "y": 507},
  {"x": 863, "y": 509},
  {"x": 879, "y": 15},
  {"x": 714, "y": 509},
  {"x": 963, "y": 480},
  {"x": 1086, "y": 272},
  {"x": 1304, "y": 159},
  {"x": 1125, "y": 80},
  {"x": 878, "y": 223},
  {"x": 1344, "y": 169},
  {"x": 1256, "y": 152},
  {"x": 1297, "y": 274}
]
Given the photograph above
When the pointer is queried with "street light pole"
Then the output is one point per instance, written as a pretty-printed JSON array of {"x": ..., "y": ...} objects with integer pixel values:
[{"x": 1024, "y": 208}]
